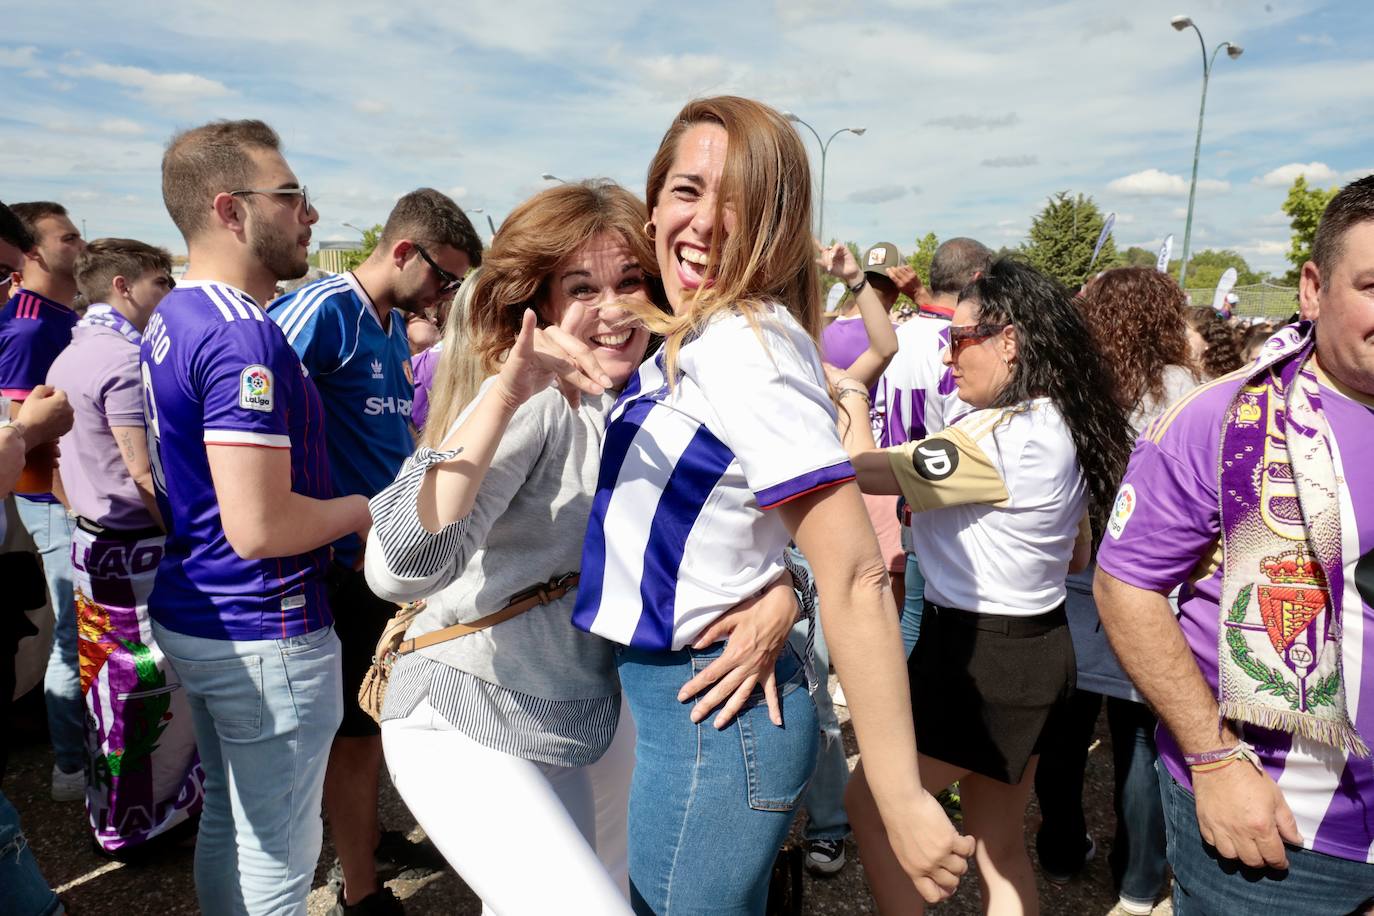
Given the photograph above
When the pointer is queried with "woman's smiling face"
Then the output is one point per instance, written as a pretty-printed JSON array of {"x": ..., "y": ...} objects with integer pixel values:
[
  {"x": 685, "y": 211},
  {"x": 597, "y": 274}
]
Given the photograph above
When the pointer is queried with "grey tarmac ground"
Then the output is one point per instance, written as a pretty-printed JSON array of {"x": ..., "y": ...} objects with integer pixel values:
[{"x": 93, "y": 886}]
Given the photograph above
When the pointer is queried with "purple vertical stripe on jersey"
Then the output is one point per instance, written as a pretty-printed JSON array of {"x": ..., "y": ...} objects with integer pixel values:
[
  {"x": 620, "y": 436},
  {"x": 631, "y": 390},
  {"x": 695, "y": 475},
  {"x": 1349, "y": 819}
]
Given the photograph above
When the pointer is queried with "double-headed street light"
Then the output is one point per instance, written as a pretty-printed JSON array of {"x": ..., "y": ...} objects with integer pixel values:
[
  {"x": 549, "y": 177},
  {"x": 1232, "y": 51},
  {"x": 488, "y": 216},
  {"x": 825, "y": 148}
]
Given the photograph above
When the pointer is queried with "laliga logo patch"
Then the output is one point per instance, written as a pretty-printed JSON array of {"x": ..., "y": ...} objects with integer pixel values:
[
  {"x": 255, "y": 388},
  {"x": 1122, "y": 510},
  {"x": 935, "y": 459}
]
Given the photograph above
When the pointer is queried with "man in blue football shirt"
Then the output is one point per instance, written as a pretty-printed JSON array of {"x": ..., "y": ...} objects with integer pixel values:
[
  {"x": 236, "y": 442},
  {"x": 351, "y": 338},
  {"x": 36, "y": 325}
]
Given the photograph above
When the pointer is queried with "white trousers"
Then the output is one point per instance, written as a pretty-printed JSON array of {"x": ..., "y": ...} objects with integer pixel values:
[{"x": 529, "y": 838}]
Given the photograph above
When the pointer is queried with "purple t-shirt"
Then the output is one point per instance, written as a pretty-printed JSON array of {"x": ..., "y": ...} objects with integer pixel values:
[
  {"x": 843, "y": 341},
  {"x": 33, "y": 330},
  {"x": 99, "y": 373},
  {"x": 423, "y": 366},
  {"x": 1168, "y": 537},
  {"x": 217, "y": 371}
]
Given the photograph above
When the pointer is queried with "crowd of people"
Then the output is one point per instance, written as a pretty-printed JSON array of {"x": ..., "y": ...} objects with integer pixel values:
[{"x": 565, "y": 534}]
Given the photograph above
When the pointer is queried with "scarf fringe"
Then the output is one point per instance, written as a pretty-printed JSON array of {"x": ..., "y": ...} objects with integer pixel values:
[{"x": 1335, "y": 734}]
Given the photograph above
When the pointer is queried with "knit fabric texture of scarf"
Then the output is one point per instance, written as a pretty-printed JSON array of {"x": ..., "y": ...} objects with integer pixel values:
[{"x": 1279, "y": 657}]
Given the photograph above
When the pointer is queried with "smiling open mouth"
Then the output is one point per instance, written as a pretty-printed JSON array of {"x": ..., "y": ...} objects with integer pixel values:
[{"x": 613, "y": 341}]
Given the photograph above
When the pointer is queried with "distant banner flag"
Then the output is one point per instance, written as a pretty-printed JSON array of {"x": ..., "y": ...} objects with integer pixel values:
[
  {"x": 1102, "y": 238},
  {"x": 1228, "y": 280},
  {"x": 1165, "y": 252},
  {"x": 832, "y": 298}
]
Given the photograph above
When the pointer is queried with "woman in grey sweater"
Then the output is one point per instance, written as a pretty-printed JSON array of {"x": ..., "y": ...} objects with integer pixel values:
[{"x": 494, "y": 502}]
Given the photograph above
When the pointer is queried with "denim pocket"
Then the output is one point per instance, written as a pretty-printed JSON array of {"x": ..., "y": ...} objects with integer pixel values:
[
  {"x": 232, "y": 688},
  {"x": 305, "y": 642},
  {"x": 778, "y": 762}
]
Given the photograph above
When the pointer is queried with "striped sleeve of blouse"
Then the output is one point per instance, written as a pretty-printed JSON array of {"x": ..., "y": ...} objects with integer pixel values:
[{"x": 411, "y": 552}]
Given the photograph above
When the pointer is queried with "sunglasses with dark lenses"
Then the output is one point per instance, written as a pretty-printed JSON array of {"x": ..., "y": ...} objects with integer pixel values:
[
  {"x": 961, "y": 335},
  {"x": 447, "y": 282}
]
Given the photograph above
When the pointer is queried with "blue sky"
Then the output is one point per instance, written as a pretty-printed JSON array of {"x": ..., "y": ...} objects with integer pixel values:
[{"x": 975, "y": 111}]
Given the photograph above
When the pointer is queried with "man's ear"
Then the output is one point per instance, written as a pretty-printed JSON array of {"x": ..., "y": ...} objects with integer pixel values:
[
  {"x": 1309, "y": 291},
  {"x": 400, "y": 252},
  {"x": 227, "y": 212},
  {"x": 121, "y": 285}
]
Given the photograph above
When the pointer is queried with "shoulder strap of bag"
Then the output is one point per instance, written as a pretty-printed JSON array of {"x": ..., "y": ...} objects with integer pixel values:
[{"x": 533, "y": 597}]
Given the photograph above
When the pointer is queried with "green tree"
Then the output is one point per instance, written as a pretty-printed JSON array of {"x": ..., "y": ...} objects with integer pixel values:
[
  {"x": 1062, "y": 236},
  {"x": 1135, "y": 256},
  {"x": 920, "y": 258},
  {"x": 1304, "y": 206},
  {"x": 1205, "y": 268},
  {"x": 352, "y": 259}
]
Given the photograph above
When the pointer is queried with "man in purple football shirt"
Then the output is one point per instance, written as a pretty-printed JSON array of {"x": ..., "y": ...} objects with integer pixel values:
[
  {"x": 236, "y": 442},
  {"x": 1257, "y": 494}
]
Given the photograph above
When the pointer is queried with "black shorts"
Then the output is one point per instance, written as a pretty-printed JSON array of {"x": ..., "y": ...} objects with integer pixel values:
[
  {"x": 983, "y": 686},
  {"x": 359, "y": 618}
]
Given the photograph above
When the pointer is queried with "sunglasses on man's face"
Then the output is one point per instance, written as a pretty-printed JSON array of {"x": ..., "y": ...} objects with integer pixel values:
[
  {"x": 961, "y": 335},
  {"x": 448, "y": 282}
]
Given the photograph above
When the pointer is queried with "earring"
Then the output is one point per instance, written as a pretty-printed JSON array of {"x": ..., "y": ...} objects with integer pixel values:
[{"x": 650, "y": 229}]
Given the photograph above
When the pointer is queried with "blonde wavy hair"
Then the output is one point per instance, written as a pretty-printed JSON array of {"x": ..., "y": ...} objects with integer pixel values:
[
  {"x": 515, "y": 275},
  {"x": 770, "y": 256}
]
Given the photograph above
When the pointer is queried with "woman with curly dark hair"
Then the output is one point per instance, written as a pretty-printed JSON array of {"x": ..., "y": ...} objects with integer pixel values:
[
  {"x": 1136, "y": 317},
  {"x": 1002, "y": 500},
  {"x": 1212, "y": 342}
]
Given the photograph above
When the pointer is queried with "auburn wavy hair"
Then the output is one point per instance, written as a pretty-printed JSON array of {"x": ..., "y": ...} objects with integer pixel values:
[
  {"x": 533, "y": 240},
  {"x": 1221, "y": 353},
  {"x": 1136, "y": 318}
]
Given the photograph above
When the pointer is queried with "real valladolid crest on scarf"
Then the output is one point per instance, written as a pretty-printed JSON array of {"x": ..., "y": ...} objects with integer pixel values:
[{"x": 1284, "y": 583}]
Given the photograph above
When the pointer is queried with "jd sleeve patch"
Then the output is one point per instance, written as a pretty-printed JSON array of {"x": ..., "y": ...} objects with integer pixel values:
[{"x": 935, "y": 459}]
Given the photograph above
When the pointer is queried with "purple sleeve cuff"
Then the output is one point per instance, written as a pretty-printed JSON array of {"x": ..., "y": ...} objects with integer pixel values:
[{"x": 789, "y": 490}]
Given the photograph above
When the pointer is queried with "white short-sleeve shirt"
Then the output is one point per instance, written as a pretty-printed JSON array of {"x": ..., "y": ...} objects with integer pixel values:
[{"x": 679, "y": 531}]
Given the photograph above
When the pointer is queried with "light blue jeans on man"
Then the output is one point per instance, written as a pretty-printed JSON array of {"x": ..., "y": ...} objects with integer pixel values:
[
  {"x": 51, "y": 529},
  {"x": 265, "y": 713},
  {"x": 23, "y": 891}
]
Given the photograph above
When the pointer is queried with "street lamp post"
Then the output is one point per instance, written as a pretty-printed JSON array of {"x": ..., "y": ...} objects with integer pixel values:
[
  {"x": 550, "y": 177},
  {"x": 355, "y": 229},
  {"x": 825, "y": 148},
  {"x": 490, "y": 224},
  {"x": 1233, "y": 51}
]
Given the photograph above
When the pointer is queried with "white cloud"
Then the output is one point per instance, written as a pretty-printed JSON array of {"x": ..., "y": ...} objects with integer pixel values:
[
  {"x": 152, "y": 88},
  {"x": 16, "y": 58},
  {"x": 1010, "y": 162},
  {"x": 1154, "y": 183},
  {"x": 123, "y": 126},
  {"x": 878, "y": 195},
  {"x": 457, "y": 193},
  {"x": 371, "y": 107},
  {"x": 975, "y": 122},
  {"x": 1324, "y": 40},
  {"x": 1285, "y": 175}
]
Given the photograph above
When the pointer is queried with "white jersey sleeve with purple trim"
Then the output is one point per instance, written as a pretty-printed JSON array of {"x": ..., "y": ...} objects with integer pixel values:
[{"x": 772, "y": 410}]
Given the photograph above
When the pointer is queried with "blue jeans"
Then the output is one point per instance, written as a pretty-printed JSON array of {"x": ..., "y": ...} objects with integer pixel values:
[
  {"x": 914, "y": 605},
  {"x": 51, "y": 529},
  {"x": 824, "y": 797},
  {"x": 709, "y": 809},
  {"x": 1138, "y": 855},
  {"x": 1206, "y": 885},
  {"x": 265, "y": 713},
  {"x": 23, "y": 890}
]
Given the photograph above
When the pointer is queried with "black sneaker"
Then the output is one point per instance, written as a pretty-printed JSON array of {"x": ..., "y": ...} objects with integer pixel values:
[
  {"x": 824, "y": 857},
  {"x": 378, "y": 903},
  {"x": 396, "y": 857}
]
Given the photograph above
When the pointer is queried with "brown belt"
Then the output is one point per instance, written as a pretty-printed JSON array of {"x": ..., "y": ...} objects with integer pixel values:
[{"x": 519, "y": 603}]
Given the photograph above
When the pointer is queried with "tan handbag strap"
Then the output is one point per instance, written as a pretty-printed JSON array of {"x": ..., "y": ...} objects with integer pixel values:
[{"x": 530, "y": 598}]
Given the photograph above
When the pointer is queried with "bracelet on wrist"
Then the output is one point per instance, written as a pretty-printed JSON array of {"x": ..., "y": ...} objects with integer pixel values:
[
  {"x": 848, "y": 390},
  {"x": 1208, "y": 761},
  {"x": 858, "y": 286}
]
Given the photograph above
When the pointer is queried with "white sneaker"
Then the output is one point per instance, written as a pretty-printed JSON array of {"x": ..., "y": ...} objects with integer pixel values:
[
  {"x": 68, "y": 786},
  {"x": 1135, "y": 907}
]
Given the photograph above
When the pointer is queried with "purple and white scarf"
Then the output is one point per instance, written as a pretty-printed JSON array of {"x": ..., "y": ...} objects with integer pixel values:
[
  {"x": 1279, "y": 657},
  {"x": 103, "y": 315}
]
